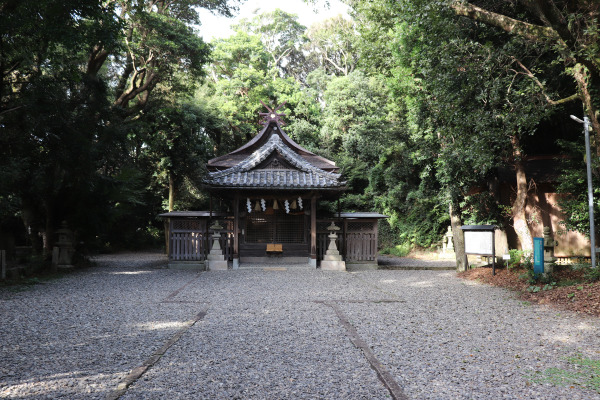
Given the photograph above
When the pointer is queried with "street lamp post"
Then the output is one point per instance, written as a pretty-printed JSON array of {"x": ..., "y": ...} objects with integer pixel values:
[{"x": 586, "y": 128}]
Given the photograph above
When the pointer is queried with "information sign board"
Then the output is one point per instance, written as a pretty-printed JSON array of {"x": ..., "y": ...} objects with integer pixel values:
[
  {"x": 538, "y": 255},
  {"x": 479, "y": 242}
]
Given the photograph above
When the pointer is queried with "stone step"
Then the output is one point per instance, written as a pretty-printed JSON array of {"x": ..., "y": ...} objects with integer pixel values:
[
  {"x": 276, "y": 267},
  {"x": 274, "y": 260}
]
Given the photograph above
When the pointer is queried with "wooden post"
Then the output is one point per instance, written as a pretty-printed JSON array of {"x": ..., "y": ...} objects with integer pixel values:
[
  {"x": 376, "y": 240},
  {"x": 313, "y": 228},
  {"x": 167, "y": 226},
  {"x": 236, "y": 228}
]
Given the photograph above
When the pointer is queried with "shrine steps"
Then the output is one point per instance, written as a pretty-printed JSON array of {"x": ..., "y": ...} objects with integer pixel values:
[{"x": 275, "y": 262}]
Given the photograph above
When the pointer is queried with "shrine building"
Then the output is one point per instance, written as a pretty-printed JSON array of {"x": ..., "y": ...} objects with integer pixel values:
[{"x": 271, "y": 187}]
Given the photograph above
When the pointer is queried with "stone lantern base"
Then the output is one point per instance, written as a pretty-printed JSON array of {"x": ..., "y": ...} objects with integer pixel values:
[
  {"x": 333, "y": 265},
  {"x": 216, "y": 262}
]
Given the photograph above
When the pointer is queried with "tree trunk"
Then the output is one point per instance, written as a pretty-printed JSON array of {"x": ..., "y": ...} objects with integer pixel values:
[
  {"x": 458, "y": 237},
  {"x": 518, "y": 208},
  {"x": 171, "y": 192},
  {"x": 583, "y": 82}
]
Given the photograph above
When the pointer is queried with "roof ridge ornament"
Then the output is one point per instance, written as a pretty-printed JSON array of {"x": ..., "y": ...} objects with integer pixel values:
[{"x": 272, "y": 115}]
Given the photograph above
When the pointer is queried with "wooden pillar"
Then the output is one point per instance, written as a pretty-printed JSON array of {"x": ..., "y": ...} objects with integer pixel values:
[
  {"x": 236, "y": 228},
  {"x": 167, "y": 226},
  {"x": 344, "y": 249},
  {"x": 313, "y": 228}
]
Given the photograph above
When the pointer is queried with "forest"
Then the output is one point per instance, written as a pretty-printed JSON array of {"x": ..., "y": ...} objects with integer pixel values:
[{"x": 109, "y": 110}]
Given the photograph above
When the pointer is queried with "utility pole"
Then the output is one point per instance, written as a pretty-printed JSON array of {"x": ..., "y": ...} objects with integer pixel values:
[{"x": 588, "y": 156}]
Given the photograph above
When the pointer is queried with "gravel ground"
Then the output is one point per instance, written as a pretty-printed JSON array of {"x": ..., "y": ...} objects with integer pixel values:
[
  {"x": 391, "y": 262},
  {"x": 276, "y": 333}
]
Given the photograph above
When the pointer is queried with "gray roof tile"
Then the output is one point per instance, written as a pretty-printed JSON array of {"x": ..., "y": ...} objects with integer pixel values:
[{"x": 245, "y": 174}]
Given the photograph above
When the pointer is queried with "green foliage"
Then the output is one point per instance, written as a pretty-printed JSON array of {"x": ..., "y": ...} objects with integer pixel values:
[
  {"x": 400, "y": 250},
  {"x": 332, "y": 45},
  {"x": 66, "y": 152},
  {"x": 516, "y": 258},
  {"x": 584, "y": 372},
  {"x": 592, "y": 274},
  {"x": 282, "y": 37},
  {"x": 524, "y": 260},
  {"x": 536, "y": 289}
]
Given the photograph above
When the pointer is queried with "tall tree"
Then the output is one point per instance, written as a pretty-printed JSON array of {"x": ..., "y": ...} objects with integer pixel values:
[
  {"x": 159, "y": 45},
  {"x": 570, "y": 27},
  {"x": 75, "y": 77},
  {"x": 355, "y": 127},
  {"x": 283, "y": 38},
  {"x": 332, "y": 43},
  {"x": 470, "y": 102},
  {"x": 241, "y": 79}
]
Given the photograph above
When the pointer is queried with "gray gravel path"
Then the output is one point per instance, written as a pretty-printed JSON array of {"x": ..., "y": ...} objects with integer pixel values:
[
  {"x": 392, "y": 262},
  {"x": 276, "y": 333}
]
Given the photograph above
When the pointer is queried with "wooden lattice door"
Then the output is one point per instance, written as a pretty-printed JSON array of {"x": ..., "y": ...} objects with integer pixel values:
[{"x": 276, "y": 227}]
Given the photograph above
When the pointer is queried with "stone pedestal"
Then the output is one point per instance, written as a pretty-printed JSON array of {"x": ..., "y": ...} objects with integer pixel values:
[
  {"x": 332, "y": 261},
  {"x": 215, "y": 261}
]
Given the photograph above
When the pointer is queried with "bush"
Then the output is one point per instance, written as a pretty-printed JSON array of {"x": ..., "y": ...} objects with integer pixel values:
[
  {"x": 400, "y": 250},
  {"x": 592, "y": 274},
  {"x": 520, "y": 259}
]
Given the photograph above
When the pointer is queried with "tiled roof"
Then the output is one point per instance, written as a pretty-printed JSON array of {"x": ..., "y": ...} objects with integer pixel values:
[
  {"x": 239, "y": 155},
  {"x": 246, "y": 175}
]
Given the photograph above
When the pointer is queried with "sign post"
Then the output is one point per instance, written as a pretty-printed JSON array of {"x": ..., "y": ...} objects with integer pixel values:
[{"x": 538, "y": 255}]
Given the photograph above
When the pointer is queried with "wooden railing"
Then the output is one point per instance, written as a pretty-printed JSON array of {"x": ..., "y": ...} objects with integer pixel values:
[
  {"x": 188, "y": 246},
  {"x": 361, "y": 247},
  {"x": 192, "y": 246}
]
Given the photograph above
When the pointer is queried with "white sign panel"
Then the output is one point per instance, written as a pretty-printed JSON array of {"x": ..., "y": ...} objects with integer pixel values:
[{"x": 477, "y": 242}]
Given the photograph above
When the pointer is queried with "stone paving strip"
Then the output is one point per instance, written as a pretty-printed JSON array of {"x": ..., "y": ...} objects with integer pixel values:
[{"x": 130, "y": 329}]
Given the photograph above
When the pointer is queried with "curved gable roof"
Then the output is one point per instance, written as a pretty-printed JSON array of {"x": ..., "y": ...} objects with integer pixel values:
[
  {"x": 245, "y": 174},
  {"x": 272, "y": 129}
]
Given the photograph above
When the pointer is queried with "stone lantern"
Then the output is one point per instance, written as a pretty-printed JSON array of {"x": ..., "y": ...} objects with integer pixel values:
[
  {"x": 62, "y": 253},
  {"x": 549, "y": 244},
  {"x": 448, "y": 245},
  {"x": 215, "y": 259},
  {"x": 332, "y": 259}
]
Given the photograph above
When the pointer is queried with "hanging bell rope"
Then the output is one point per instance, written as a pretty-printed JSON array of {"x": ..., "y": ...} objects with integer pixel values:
[{"x": 275, "y": 205}]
